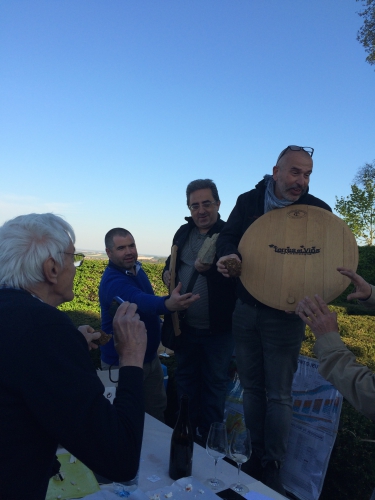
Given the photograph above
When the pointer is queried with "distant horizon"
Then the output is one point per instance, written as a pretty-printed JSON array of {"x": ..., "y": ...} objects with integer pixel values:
[{"x": 101, "y": 252}]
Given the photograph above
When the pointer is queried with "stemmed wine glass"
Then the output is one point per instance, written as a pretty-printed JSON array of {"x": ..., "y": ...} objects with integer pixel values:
[
  {"x": 240, "y": 452},
  {"x": 217, "y": 448}
]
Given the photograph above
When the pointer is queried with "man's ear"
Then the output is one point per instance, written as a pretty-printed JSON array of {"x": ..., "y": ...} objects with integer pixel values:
[
  {"x": 50, "y": 270},
  {"x": 275, "y": 171}
]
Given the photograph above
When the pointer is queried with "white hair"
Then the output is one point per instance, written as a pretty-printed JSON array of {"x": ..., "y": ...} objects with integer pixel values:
[{"x": 26, "y": 242}]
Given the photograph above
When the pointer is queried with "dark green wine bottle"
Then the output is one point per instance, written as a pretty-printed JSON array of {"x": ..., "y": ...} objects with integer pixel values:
[{"x": 182, "y": 443}]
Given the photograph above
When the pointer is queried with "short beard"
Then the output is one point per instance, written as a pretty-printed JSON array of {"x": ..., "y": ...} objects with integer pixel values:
[{"x": 303, "y": 191}]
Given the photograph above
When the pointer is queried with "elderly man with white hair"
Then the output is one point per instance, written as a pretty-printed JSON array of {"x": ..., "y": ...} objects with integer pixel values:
[{"x": 49, "y": 390}]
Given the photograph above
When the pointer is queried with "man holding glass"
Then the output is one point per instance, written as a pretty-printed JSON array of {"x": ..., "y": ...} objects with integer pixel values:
[
  {"x": 49, "y": 390},
  {"x": 267, "y": 340}
]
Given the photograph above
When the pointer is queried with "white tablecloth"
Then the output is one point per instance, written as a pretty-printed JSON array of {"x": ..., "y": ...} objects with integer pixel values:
[{"x": 155, "y": 461}]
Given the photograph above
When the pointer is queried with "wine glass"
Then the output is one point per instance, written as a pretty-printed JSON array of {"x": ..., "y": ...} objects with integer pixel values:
[
  {"x": 240, "y": 452},
  {"x": 217, "y": 448}
]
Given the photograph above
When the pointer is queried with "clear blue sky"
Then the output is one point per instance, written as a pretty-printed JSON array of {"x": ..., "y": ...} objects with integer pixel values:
[{"x": 109, "y": 108}]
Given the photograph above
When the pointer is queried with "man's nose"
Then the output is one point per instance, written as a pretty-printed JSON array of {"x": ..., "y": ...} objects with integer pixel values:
[{"x": 302, "y": 181}]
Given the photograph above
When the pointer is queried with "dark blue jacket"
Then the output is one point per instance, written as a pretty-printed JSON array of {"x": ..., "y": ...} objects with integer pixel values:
[{"x": 137, "y": 289}]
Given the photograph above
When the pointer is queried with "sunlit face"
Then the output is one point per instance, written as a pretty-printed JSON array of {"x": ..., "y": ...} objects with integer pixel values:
[
  {"x": 204, "y": 217},
  {"x": 292, "y": 175},
  {"x": 124, "y": 252},
  {"x": 64, "y": 285}
]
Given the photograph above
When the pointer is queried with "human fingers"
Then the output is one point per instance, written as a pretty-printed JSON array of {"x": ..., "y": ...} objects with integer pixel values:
[
  {"x": 93, "y": 345},
  {"x": 178, "y": 288},
  {"x": 127, "y": 320},
  {"x": 232, "y": 256},
  {"x": 226, "y": 257},
  {"x": 130, "y": 340},
  {"x": 86, "y": 329},
  {"x": 188, "y": 298},
  {"x": 347, "y": 272},
  {"x": 300, "y": 306},
  {"x": 356, "y": 279},
  {"x": 360, "y": 294},
  {"x": 167, "y": 278},
  {"x": 90, "y": 338},
  {"x": 184, "y": 301},
  {"x": 322, "y": 306},
  {"x": 307, "y": 307},
  {"x": 89, "y": 333},
  {"x": 200, "y": 267},
  {"x": 222, "y": 269},
  {"x": 305, "y": 312},
  {"x": 363, "y": 290},
  {"x": 125, "y": 308}
]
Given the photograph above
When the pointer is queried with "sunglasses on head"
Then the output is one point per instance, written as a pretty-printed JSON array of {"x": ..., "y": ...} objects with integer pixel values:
[{"x": 308, "y": 150}]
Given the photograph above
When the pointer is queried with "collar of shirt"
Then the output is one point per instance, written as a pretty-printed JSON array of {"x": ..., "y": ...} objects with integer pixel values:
[{"x": 137, "y": 267}]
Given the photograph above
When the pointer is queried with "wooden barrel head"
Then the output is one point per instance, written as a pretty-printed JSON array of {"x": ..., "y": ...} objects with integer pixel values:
[{"x": 293, "y": 252}]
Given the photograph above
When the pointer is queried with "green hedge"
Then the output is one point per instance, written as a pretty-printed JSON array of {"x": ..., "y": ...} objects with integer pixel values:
[
  {"x": 351, "y": 472},
  {"x": 87, "y": 279},
  {"x": 84, "y": 309}
]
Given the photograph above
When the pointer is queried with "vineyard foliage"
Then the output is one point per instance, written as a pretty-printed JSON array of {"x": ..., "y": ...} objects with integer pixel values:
[{"x": 87, "y": 280}]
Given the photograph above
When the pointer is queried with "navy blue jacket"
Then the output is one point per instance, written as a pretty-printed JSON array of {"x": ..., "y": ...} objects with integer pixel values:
[{"x": 133, "y": 288}]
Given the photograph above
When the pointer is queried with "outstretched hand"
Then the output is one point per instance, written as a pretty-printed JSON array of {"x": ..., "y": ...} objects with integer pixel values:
[
  {"x": 90, "y": 334},
  {"x": 362, "y": 289},
  {"x": 317, "y": 316},
  {"x": 177, "y": 302}
]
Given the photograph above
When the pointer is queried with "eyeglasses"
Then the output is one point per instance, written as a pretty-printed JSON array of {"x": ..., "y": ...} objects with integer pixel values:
[
  {"x": 77, "y": 258},
  {"x": 296, "y": 148},
  {"x": 204, "y": 204}
]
